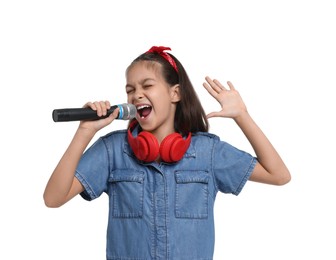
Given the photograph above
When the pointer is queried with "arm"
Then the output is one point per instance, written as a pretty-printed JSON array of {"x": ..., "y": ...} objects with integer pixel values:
[
  {"x": 270, "y": 168},
  {"x": 62, "y": 185}
]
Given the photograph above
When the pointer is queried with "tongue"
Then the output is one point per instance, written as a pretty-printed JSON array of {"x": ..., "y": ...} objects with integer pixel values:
[{"x": 145, "y": 112}]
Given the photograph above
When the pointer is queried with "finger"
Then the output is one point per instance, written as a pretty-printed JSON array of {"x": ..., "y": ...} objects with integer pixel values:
[
  {"x": 108, "y": 104},
  {"x": 90, "y": 105},
  {"x": 98, "y": 108},
  {"x": 214, "y": 84},
  {"x": 219, "y": 84},
  {"x": 210, "y": 89},
  {"x": 230, "y": 85},
  {"x": 103, "y": 107},
  {"x": 213, "y": 114}
]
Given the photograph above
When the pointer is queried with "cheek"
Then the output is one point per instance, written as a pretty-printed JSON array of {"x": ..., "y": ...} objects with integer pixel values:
[{"x": 129, "y": 98}]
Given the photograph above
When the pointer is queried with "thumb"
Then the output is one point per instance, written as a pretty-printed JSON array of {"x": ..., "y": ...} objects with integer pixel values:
[
  {"x": 112, "y": 116},
  {"x": 213, "y": 114}
]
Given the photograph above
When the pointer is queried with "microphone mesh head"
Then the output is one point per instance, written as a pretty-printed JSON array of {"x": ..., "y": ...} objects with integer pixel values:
[{"x": 129, "y": 111}]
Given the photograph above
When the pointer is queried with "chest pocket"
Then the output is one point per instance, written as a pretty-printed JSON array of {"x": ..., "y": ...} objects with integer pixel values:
[
  {"x": 126, "y": 193},
  {"x": 191, "y": 194}
]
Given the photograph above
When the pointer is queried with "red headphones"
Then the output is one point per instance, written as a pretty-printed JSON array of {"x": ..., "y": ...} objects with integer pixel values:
[{"x": 146, "y": 147}]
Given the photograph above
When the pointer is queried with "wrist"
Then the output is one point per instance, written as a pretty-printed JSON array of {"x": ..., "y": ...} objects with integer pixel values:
[
  {"x": 242, "y": 117},
  {"x": 85, "y": 133}
]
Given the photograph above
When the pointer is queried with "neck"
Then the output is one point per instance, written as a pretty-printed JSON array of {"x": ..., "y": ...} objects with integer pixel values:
[{"x": 162, "y": 133}]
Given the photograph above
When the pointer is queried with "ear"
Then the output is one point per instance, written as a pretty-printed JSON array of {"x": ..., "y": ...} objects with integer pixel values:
[{"x": 175, "y": 93}]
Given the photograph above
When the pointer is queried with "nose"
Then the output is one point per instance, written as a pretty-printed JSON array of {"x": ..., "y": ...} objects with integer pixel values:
[{"x": 138, "y": 93}]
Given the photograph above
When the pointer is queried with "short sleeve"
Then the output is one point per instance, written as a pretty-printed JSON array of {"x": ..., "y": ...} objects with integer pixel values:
[
  {"x": 93, "y": 170},
  {"x": 232, "y": 167}
]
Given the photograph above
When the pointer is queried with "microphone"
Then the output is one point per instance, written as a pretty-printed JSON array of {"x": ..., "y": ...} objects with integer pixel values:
[{"x": 126, "y": 112}]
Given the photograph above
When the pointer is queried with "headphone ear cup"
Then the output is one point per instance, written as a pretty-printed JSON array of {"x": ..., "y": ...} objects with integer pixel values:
[
  {"x": 145, "y": 146},
  {"x": 173, "y": 147},
  {"x": 150, "y": 146}
]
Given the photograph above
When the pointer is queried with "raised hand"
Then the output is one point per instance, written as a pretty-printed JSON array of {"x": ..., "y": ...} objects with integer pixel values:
[{"x": 232, "y": 105}]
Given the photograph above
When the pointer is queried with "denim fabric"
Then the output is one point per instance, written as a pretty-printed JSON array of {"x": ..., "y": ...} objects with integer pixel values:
[{"x": 162, "y": 211}]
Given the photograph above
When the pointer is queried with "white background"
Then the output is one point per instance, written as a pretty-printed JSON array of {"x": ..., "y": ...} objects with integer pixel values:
[{"x": 281, "y": 57}]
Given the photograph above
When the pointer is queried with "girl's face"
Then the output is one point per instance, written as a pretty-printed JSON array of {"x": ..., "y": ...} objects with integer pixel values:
[{"x": 154, "y": 99}]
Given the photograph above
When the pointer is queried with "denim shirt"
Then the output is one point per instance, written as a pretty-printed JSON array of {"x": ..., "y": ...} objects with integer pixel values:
[{"x": 162, "y": 211}]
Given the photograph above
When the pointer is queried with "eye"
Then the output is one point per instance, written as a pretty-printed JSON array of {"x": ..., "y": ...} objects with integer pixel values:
[
  {"x": 129, "y": 90},
  {"x": 147, "y": 86}
]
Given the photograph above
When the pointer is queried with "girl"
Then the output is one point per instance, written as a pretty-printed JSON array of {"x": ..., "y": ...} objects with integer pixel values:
[{"x": 163, "y": 172}]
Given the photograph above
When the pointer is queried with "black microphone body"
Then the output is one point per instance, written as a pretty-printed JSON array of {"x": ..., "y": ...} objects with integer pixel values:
[{"x": 126, "y": 112}]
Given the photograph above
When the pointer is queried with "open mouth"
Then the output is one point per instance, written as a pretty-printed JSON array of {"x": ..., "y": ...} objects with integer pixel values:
[{"x": 144, "y": 110}]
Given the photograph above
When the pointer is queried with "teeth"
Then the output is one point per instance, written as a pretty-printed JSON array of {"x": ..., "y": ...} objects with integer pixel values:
[{"x": 143, "y": 106}]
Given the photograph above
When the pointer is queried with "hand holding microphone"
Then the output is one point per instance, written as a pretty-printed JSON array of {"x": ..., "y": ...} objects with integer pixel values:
[{"x": 126, "y": 112}]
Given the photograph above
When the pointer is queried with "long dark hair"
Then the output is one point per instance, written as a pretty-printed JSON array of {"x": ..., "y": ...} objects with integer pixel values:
[{"x": 189, "y": 115}]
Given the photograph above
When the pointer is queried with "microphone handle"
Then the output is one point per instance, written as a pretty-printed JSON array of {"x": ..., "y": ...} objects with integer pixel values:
[{"x": 78, "y": 114}]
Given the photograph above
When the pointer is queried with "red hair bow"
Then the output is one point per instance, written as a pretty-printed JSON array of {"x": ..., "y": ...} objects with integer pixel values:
[{"x": 161, "y": 51}]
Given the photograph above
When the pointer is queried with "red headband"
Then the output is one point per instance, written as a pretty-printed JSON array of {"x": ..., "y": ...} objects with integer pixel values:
[{"x": 160, "y": 50}]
